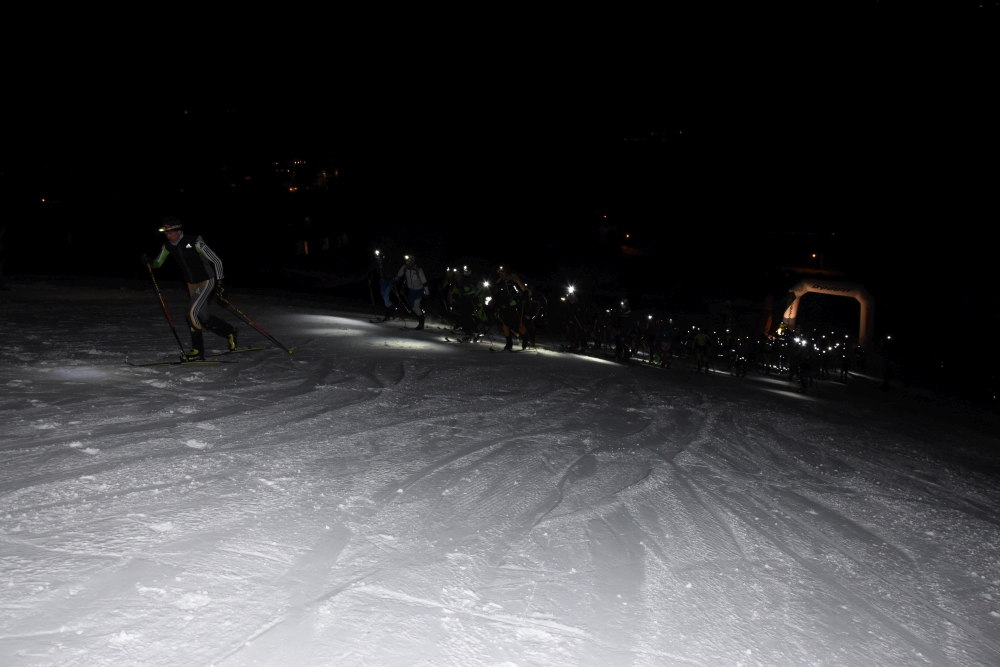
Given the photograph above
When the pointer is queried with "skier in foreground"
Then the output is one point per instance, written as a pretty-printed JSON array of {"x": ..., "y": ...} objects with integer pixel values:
[
  {"x": 416, "y": 283},
  {"x": 202, "y": 270}
]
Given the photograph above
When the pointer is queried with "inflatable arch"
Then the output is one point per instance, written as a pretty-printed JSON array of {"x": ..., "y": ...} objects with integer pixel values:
[{"x": 836, "y": 289}]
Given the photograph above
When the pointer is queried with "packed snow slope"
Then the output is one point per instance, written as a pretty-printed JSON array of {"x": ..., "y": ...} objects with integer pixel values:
[{"x": 386, "y": 497}]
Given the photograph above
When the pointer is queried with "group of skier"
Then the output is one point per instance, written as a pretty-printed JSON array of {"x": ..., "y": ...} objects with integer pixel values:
[{"x": 475, "y": 306}]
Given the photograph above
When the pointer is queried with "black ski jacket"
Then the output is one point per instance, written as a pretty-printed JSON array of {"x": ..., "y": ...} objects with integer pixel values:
[{"x": 197, "y": 261}]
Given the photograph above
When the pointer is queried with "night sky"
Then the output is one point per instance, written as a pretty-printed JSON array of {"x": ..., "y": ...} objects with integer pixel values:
[{"x": 885, "y": 169}]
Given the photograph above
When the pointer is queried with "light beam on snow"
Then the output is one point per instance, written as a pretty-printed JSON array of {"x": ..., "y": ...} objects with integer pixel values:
[
  {"x": 771, "y": 380},
  {"x": 330, "y": 325},
  {"x": 331, "y": 320},
  {"x": 790, "y": 394},
  {"x": 334, "y": 332},
  {"x": 584, "y": 357},
  {"x": 406, "y": 344}
]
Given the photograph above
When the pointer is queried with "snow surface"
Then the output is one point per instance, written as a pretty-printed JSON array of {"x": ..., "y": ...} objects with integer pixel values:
[{"x": 384, "y": 497}]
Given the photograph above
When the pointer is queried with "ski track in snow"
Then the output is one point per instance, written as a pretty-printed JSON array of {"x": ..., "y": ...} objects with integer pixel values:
[{"x": 385, "y": 497}]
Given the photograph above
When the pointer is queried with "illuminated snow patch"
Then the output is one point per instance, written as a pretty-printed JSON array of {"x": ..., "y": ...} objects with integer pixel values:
[
  {"x": 772, "y": 380},
  {"x": 583, "y": 356},
  {"x": 789, "y": 394},
  {"x": 196, "y": 444},
  {"x": 405, "y": 344},
  {"x": 330, "y": 320},
  {"x": 335, "y": 332}
]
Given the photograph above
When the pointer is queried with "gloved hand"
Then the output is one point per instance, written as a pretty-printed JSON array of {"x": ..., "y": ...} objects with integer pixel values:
[{"x": 145, "y": 259}]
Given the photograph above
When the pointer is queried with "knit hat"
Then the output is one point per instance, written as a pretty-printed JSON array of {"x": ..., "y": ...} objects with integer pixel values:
[{"x": 171, "y": 224}]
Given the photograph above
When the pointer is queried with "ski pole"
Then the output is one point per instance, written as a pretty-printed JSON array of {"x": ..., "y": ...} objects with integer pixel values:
[
  {"x": 489, "y": 327},
  {"x": 165, "y": 311},
  {"x": 402, "y": 303},
  {"x": 239, "y": 313}
]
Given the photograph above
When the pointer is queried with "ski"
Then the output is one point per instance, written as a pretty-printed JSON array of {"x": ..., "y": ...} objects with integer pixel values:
[
  {"x": 244, "y": 349},
  {"x": 199, "y": 362}
]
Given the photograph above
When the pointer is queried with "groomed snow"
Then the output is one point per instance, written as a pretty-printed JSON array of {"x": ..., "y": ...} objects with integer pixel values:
[{"x": 385, "y": 497}]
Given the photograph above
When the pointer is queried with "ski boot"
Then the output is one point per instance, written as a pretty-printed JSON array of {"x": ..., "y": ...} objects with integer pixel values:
[
  {"x": 509, "y": 347},
  {"x": 420, "y": 324},
  {"x": 197, "y": 352},
  {"x": 231, "y": 339}
]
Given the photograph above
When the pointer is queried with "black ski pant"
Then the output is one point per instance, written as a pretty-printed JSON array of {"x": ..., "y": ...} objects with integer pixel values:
[{"x": 198, "y": 318}]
